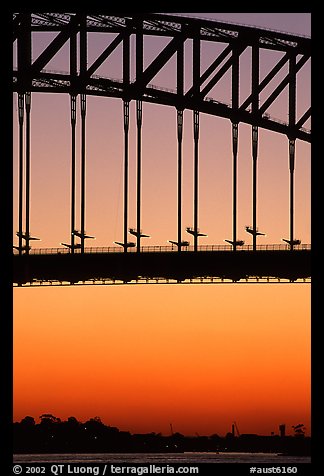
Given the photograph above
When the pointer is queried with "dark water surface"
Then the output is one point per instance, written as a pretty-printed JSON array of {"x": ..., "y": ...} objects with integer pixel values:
[{"x": 160, "y": 458}]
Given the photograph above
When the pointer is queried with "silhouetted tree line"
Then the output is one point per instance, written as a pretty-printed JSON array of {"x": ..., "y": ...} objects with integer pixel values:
[{"x": 52, "y": 435}]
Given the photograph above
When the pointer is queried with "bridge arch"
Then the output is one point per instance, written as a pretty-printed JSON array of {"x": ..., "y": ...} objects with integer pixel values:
[
  {"x": 127, "y": 37},
  {"x": 82, "y": 78}
]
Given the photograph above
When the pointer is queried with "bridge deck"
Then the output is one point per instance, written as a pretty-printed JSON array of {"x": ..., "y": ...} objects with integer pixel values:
[{"x": 64, "y": 266}]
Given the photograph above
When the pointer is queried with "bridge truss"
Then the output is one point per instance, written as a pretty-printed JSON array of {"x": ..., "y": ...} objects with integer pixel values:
[{"x": 126, "y": 35}]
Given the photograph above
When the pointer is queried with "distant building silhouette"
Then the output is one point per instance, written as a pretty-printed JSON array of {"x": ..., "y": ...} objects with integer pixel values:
[
  {"x": 282, "y": 430},
  {"x": 52, "y": 435}
]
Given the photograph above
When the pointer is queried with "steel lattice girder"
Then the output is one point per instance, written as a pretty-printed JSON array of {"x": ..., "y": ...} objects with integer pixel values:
[{"x": 31, "y": 75}]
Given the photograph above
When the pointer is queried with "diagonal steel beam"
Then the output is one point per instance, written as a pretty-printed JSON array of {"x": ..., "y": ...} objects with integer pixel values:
[
  {"x": 64, "y": 35},
  {"x": 266, "y": 80},
  {"x": 156, "y": 65},
  {"x": 282, "y": 85},
  {"x": 211, "y": 68},
  {"x": 222, "y": 71},
  {"x": 304, "y": 118},
  {"x": 104, "y": 55}
]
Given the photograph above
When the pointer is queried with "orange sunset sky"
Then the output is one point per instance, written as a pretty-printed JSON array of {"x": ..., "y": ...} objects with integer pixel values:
[{"x": 144, "y": 356}]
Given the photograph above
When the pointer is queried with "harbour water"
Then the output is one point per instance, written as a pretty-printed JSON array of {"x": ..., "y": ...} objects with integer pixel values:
[{"x": 163, "y": 458}]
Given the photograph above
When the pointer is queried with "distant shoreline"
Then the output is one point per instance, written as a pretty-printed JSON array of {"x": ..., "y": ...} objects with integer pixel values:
[{"x": 52, "y": 436}]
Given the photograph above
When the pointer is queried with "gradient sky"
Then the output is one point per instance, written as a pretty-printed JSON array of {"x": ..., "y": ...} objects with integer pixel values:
[{"x": 142, "y": 357}]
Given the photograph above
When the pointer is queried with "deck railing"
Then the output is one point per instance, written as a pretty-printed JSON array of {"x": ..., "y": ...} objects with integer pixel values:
[{"x": 164, "y": 249}]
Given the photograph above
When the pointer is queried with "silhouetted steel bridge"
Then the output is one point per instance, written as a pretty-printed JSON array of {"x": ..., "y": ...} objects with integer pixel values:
[{"x": 132, "y": 262}]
